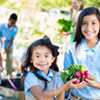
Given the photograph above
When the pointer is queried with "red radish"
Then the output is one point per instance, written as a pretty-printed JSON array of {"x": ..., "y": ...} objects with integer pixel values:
[
  {"x": 86, "y": 74},
  {"x": 78, "y": 74},
  {"x": 76, "y": 81}
]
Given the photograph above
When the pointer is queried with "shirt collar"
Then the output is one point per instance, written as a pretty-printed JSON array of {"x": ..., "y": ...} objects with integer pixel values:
[
  {"x": 84, "y": 45},
  {"x": 48, "y": 77},
  {"x": 9, "y": 27}
]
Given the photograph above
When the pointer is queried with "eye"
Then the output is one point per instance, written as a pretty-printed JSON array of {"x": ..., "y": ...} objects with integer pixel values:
[
  {"x": 37, "y": 56},
  {"x": 84, "y": 23},
  {"x": 93, "y": 23},
  {"x": 46, "y": 56}
]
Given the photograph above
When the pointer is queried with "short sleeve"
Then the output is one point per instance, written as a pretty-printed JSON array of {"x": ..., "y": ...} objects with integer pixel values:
[
  {"x": 59, "y": 81},
  {"x": 68, "y": 60},
  {"x": 30, "y": 80}
]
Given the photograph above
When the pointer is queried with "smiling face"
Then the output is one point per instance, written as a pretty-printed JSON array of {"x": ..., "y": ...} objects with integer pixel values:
[
  {"x": 42, "y": 58},
  {"x": 90, "y": 27}
]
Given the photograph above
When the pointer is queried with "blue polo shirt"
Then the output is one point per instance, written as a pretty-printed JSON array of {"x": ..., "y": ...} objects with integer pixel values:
[
  {"x": 90, "y": 58},
  {"x": 8, "y": 33}
]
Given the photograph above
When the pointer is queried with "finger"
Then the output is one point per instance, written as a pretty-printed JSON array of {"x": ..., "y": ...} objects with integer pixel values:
[
  {"x": 74, "y": 79},
  {"x": 91, "y": 77},
  {"x": 88, "y": 80},
  {"x": 81, "y": 85}
]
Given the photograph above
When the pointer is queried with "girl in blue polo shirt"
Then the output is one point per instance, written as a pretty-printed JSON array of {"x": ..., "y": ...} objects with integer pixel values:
[
  {"x": 42, "y": 79},
  {"x": 86, "y": 51}
]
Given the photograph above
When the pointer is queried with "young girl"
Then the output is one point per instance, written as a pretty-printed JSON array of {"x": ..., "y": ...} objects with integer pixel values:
[
  {"x": 41, "y": 77},
  {"x": 86, "y": 51}
]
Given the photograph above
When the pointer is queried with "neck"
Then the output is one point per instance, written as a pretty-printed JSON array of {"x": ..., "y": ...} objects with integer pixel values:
[
  {"x": 91, "y": 43},
  {"x": 46, "y": 72}
]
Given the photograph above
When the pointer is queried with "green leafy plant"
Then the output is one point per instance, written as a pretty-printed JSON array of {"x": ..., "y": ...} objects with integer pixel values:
[{"x": 65, "y": 25}]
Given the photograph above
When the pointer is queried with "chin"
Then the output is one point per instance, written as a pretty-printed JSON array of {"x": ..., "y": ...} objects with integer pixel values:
[{"x": 89, "y": 38}]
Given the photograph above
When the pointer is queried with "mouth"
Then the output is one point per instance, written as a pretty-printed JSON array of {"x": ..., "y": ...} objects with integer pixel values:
[
  {"x": 42, "y": 65},
  {"x": 90, "y": 33}
]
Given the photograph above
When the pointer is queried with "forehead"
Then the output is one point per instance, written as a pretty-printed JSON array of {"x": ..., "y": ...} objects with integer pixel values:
[
  {"x": 41, "y": 49},
  {"x": 91, "y": 17}
]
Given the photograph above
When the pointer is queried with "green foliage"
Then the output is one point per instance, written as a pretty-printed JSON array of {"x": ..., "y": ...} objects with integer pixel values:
[
  {"x": 48, "y": 4},
  {"x": 36, "y": 31},
  {"x": 13, "y": 5},
  {"x": 92, "y": 3},
  {"x": 2, "y": 2},
  {"x": 65, "y": 25}
]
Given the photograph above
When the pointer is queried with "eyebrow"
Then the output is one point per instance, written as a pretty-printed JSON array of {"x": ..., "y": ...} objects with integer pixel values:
[{"x": 39, "y": 53}]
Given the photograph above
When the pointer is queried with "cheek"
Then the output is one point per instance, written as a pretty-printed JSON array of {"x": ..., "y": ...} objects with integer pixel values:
[
  {"x": 34, "y": 60},
  {"x": 82, "y": 30},
  {"x": 98, "y": 28},
  {"x": 35, "y": 64},
  {"x": 83, "y": 27},
  {"x": 52, "y": 60}
]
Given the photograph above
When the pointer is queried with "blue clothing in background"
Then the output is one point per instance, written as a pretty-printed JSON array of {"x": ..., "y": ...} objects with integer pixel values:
[
  {"x": 90, "y": 58},
  {"x": 8, "y": 33}
]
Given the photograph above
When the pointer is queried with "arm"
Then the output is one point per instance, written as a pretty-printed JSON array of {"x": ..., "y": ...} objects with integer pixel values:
[
  {"x": 39, "y": 94},
  {"x": 10, "y": 43},
  {"x": 46, "y": 95},
  {"x": 61, "y": 96}
]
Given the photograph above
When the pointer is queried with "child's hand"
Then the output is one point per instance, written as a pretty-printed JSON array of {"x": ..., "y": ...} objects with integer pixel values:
[
  {"x": 71, "y": 84},
  {"x": 91, "y": 77},
  {"x": 93, "y": 83}
]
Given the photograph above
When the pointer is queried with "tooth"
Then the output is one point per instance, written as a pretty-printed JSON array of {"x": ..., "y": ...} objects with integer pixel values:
[{"x": 90, "y": 33}]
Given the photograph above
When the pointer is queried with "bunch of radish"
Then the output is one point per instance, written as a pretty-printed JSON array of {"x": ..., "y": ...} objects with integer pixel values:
[{"x": 75, "y": 71}]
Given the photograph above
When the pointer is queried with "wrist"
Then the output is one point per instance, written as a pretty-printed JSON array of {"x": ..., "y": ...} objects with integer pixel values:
[{"x": 66, "y": 86}]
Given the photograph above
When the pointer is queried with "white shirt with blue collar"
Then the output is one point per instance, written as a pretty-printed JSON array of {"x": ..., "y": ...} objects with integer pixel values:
[{"x": 90, "y": 58}]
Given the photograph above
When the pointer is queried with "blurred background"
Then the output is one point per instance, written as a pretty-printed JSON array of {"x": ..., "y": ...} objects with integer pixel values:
[{"x": 55, "y": 18}]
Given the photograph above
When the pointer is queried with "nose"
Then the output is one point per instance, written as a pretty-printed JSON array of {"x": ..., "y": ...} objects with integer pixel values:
[
  {"x": 89, "y": 27},
  {"x": 42, "y": 59}
]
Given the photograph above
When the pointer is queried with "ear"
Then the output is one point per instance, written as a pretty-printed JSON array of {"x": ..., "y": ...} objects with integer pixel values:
[
  {"x": 31, "y": 61},
  {"x": 53, "y": 58}
]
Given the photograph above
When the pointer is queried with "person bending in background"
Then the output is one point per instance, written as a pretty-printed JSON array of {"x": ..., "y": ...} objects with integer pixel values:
[{"x": 8, "y": 32}]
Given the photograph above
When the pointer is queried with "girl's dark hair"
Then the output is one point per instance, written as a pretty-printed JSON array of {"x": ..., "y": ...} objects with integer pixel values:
[
  {"x": 85, "y": 12},
  {"x": 45, "y": 41}
]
